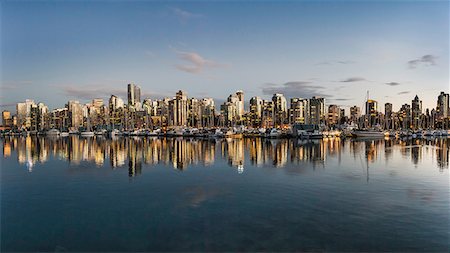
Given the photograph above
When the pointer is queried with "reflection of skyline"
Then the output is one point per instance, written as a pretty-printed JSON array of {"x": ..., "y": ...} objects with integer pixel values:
[{"x": 180, "y": 153}]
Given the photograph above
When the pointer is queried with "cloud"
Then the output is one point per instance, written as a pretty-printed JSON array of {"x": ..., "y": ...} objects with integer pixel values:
[
  {"x": 294, "y": 89},
  {"x": 426, "y": 60},
  {"x": 196, "y": 63},
  {"x": 183, "y": 15},
  {"x": 392, "y": 84},
  {"x": 403, "y": 92},
  {"x": 353, "y": 79},
  {"x": 335, "y": 62},
  {"x": 341, "y": 99},
  {"x": 89, "y": 92},
  {"x": 11, "y": 85}
]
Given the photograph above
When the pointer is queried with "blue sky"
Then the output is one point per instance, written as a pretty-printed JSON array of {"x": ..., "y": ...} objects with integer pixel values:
[{"x": 54, "y": 51}]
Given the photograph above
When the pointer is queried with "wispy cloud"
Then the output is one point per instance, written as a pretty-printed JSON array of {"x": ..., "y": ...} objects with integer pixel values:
[
  {"x": 195, "y": 63},
  {"x": 403, "y": 92},
  {"x": 10, "y": 85},
  {"x": 335, "y": 62},
  {"x": 294, "y": 89},
  {"x": 392, "y": 84},
  {"x": 426, "y": 60},
  {"x": 183, "y": 15},
  {"x": 353, "y": 79}
]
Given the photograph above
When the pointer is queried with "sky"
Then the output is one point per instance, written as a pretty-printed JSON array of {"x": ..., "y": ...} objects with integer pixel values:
[{"x": 55, "y": 51}]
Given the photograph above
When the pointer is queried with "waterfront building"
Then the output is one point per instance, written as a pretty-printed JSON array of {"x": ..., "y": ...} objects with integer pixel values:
[
  {"x": 316, "y": 110},
  {"x": 267, "y": 114},
  {"x": 298, "y": 111},
  {"x": 7, "y": 119},
  {"x": 371, "y": 112},
  {"x": 255, "y": 114},
  {"x": 207, "y": 112},
  {"x": 134, "y": 94},
  {"x": 405, "y": 116},
  {"x": 24, "y": 114},
  {"x": 75, "y": 111},
  {"x": 416, "y": 113},
  {"x": 280, "y": 109},
  {"x": 355, "y": 114},
  {"x": 333, "y": 115},
  {"x": 388, "y": 114},
  {"x": 178, "y": 108}
]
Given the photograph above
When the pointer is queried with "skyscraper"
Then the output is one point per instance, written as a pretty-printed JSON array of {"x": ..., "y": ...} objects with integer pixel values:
[
  {"x": 134, "y": 94},
  {"x": 442, "y": 107},
  {"x": 416, "y": 111},
  {"x": 178, "y": 108},
  {"x": 388, "y": 116},
  {"x": 298, "y": 111},
  {"x": 280, "y": 109},
  {"x": 316, "y": 110},
  {"x": 256, "y": 104},
  {"x": 355, "y": 113},
  {"x": 333, "y": 115},
  {"x": 6, "y": 119},
  {"x": 371, "y": 112}
]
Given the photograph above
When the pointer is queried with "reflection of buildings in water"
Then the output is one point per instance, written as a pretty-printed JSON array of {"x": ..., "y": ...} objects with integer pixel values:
[
  {"x": 371, "y": 150},
  {"x": 442, "y": 153},
  {"x": 182, "y": 153},
  {"x": 416, "y": 152},
  {"x": 134, "y": 157},
  {"x": 313, "y": 151},
  {"x": 233, "y": 148},
  {"x": 6, "y": 149}
]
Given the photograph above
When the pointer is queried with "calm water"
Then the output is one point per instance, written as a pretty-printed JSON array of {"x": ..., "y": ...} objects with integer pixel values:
[{"x": 155, "y": 194}]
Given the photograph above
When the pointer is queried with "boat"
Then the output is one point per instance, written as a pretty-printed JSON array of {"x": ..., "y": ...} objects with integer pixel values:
[
  {"x": 53, "y": 132},
  {"x": 368, "y": 133},
  {"x": 100, "y": 132},
  {"x": 73, "y": 131},
  {"x": 115, "y": 132},
  {"x": 274, "y": 133},
  {"x": 87, "y": 134},
  {"x": 64, "y": 134}
]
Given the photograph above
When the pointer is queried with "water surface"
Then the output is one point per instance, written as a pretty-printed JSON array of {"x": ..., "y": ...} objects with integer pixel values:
[{"x": 175, "y": 194}]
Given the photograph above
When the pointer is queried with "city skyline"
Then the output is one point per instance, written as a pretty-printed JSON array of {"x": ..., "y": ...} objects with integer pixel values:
[{"x": 303, "y": 49}]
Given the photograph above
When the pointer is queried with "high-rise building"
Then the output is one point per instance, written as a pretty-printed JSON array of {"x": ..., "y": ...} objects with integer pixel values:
[
  {"x": 24, "y": 113},
  {"x": 75, "y": 111},
  {"x": 298, "y": 111},
  {"x": 355, "y": 114},
  {"x": 268, "y": 112},
  {"x": 134, "y": 94},
  {"x": 178, "y": 108},
  {"x": 6, "y": 119},
  {"x": 388, "y": 115},
  {"x": 405, "y": 116},
  {"x": 442, "y": 108},
  {"x": 256, "y": 104},
  {"x": 333, "y": 115},
  {"x": 240, "y": 104},
  {"x": 416, "y": 112},
  {"x": 280, "y": 109},
  {"x": 371, "y": 112},
  {"x": 316, "y": 110},
  {"x": 207, "y": 111}
]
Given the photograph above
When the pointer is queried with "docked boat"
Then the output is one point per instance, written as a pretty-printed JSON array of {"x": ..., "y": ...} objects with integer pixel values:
[
  {"x": 53, "y": 132},
  {"x": 115, "y": 132},
  {"x": 274, "y": 133},
  {"x": 368, "y": 133},
  {"x": 64, "y": 134},
  {"x": 87, "y": 134}
]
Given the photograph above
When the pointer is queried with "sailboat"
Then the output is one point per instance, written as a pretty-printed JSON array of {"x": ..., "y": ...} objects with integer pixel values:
[
  {"x": 88, "y": 132},
  {"x": 368, "y": 132}
]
